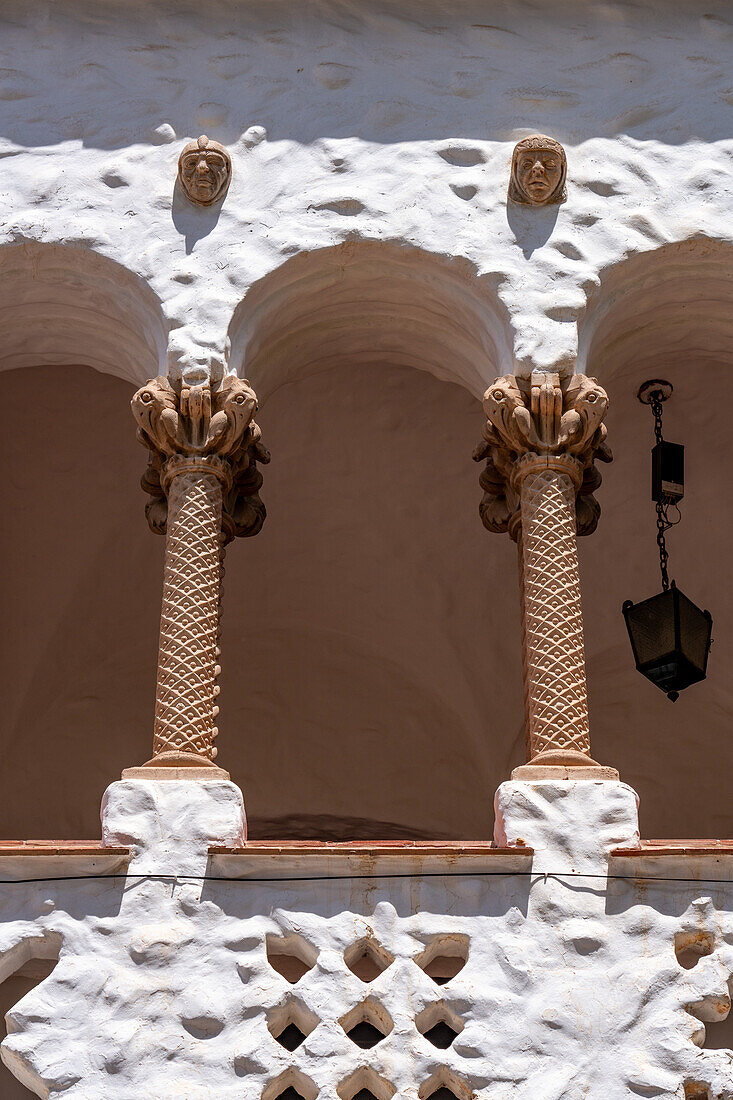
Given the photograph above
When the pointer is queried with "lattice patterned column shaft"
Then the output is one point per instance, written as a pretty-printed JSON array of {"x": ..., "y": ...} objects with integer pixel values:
[
  {"x": 202, "y": 477},
  {"x": 523, "y": 626},
  {"x": 542, "y": 438},
  {"x": 185, "y": 707},
  {"x": 554, "y": 650}
]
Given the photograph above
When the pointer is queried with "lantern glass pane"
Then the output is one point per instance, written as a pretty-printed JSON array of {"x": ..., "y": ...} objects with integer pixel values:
[
  {"x": 695, "y": 629},
  {"x": 652, "y": 628}
]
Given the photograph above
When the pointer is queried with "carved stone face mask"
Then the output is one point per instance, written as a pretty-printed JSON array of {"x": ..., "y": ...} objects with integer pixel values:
[
  {"x": 204, "y": 171},
  {"x": 539, "y": 169}
]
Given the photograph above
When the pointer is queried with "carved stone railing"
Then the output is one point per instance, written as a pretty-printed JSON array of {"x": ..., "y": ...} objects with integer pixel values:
[
  {"x": 541, "y": 441},
  {"x": 203, "y": 481}
]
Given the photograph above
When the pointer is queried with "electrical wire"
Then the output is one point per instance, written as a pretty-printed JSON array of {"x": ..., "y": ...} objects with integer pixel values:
[{"x": 537, "y": 875}]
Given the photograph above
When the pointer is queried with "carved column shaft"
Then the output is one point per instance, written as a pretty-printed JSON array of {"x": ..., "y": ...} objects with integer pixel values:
[
  {"x": 541, "y": 441},
  {"x": 203, "y": 480},
  {"x": 186, "y": 690},
  {"x": 554, "y": 648},
  {"x": 523, "y": 627}
]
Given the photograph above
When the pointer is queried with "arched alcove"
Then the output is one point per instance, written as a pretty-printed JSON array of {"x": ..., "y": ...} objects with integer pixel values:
[
  {"x": 62, "y": 304},
  {"x": 367, "y": 302},
  {"x": 666, "y": 313},
  {"x": 669, "y": 308},
  {"x": 369, "y": 606}
]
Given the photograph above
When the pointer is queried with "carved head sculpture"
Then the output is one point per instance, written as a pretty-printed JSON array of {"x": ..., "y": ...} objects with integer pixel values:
[
  {"x": 539, "y": 170},
  {"x": 204, "y": 170}
]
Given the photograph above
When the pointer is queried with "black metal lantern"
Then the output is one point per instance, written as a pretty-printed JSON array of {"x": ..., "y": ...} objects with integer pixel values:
[{"x": 670, "y": 635}]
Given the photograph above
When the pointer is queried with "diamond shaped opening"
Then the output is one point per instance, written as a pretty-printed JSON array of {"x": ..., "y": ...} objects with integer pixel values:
[
  {"x": 291, "y": 956},
  {"x": 444, "y": 957},
  {"x": 290, "y": 1085},
  {"x": 365, "y": 1084},
  {"x": 441, "y": 1035},
  {"x": 291, "y": 1023},
  {"x": 290, "y": 1037},
  {"x": 444, "y": 1085},
  {"x": 365, "y": 1035},
  {"x": 367, "y": 1024},
  {"x": 439, "y": 1024},
  {"x": 367, "y": 959}
]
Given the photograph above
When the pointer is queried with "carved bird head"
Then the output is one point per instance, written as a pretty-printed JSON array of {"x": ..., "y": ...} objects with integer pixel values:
[
  {"x": 589, "y": 401},
  {"x": 155, "y": 408},
  {"x": 501, "y": 399},
  {"x": 235, "y": 403}
]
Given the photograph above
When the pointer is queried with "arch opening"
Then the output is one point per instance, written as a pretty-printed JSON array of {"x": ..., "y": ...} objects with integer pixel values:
[
  {"x": 62, "y": 305},
  {"x": 665, "y": 310},
  {"x": 371, "y": 302},
  {"x": 368, "y": 357}
]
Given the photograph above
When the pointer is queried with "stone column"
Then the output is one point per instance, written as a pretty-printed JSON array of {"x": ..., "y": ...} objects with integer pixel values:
[
  {"x": 541, "y": 441},
  {"x": 203, "y": 480}
]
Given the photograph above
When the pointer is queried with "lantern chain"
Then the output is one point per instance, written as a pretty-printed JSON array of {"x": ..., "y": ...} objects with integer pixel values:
[{"x": 663, "y": 521}]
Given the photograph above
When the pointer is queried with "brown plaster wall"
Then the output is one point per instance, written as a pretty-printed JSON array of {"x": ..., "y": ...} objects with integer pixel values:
[{"x": 371, "y": 682}]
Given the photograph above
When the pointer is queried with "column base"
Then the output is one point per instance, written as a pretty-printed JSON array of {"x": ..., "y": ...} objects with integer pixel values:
[
  {"x": 177, "y": 765},
  {"x": 563, "y": 764},
  {"x": 560, "y": 771}
]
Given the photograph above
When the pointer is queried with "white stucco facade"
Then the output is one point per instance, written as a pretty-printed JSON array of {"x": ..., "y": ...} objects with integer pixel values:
[
  {"x": 571, "y": 985},
  {"x": 354, "y": 123},
  {"x": 367, "y": 223}
]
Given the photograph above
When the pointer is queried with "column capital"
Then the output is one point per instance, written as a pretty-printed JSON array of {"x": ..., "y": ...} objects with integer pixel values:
[
  {"x": 541, "y": 421},
  {"x": 532, "y": 461},
  {"x": 213, "y": 429}
]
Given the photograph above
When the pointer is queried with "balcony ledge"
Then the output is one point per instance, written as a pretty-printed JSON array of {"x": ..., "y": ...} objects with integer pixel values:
[
  {"x": 356, "y": 859},
  {"x": 21, "y": 859},
  {"x": 678, "y": 860}
]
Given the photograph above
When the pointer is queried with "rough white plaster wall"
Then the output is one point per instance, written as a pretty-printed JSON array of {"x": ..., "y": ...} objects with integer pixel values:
[
  {"x": 571, "y": 987},
  {"x": 366, "y": 120},
  {"x": 355, "y": 122}
]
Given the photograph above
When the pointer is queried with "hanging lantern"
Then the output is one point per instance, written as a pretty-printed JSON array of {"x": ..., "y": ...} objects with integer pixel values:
[{"x": 670, "y": 635}]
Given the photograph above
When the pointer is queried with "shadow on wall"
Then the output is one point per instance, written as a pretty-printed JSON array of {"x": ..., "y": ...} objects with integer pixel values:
[
  {"x": 356, "y": 581},
  {"x": 371, "y": 656},
  {"x": 74, "y": 533},
  {"x": 80, "y": 599}
]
